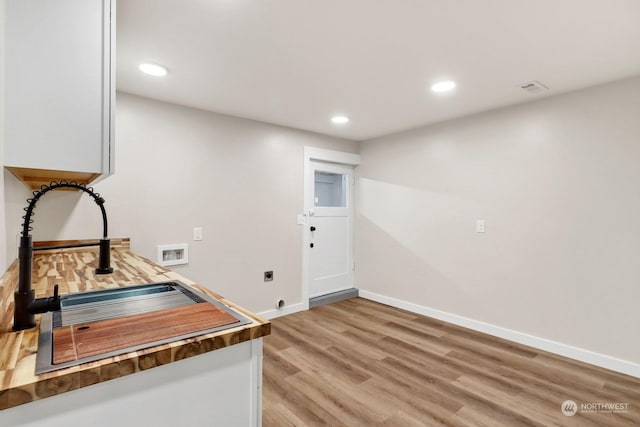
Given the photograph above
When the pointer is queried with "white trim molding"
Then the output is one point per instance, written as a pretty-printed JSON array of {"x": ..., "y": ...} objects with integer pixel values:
[
  {"x": 331, "y": 156},
  {"x": 287, "y": 309},
  {"x": 255, "y": 378},
  {"x": 587, "y": 356}
]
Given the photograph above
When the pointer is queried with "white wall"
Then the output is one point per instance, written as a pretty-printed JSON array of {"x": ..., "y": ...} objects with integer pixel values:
[
  {"x": 3, "y": 255},
  {"x": 176, "y": 168},
  {"x": 557, "y": 182}
]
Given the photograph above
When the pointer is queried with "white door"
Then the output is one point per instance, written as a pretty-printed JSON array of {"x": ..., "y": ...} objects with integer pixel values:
[{"x": 329, "y": 208}]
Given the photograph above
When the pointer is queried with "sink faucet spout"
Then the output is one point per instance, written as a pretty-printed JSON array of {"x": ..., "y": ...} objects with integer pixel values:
[{"x": 25, "y": 303}]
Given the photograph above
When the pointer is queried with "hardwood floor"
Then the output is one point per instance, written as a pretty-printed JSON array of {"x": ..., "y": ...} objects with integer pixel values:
[{"x": 360, "y": 363}]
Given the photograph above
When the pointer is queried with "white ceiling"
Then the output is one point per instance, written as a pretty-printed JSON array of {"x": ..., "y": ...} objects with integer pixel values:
[{"x": 298, "y": 62}]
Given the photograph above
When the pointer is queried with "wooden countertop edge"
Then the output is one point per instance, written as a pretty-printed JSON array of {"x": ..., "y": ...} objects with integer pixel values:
[{"x": 64, "y": 380}]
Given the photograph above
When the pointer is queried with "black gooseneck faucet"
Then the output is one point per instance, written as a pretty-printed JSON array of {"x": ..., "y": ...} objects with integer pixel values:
[{"x": 26, "y": 306}]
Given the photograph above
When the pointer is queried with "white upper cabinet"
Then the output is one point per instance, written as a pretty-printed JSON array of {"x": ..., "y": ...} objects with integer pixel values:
[{"x": 60, "y": 89}]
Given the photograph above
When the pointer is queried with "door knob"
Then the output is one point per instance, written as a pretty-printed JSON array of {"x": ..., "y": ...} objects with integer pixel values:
[
  {"x": 313, "y": 228},
  {"x": 311, "y": 245}
]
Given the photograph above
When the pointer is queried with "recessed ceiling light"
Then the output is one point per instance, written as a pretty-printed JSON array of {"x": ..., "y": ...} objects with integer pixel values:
[
  {"x": 153, "y": 69},
  {"x": 443, "y": 86},
  {"x": 340, "y": 120}
]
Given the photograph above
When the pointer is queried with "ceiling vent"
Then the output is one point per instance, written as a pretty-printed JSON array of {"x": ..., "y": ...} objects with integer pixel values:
[{"x": 534, "y": 87}]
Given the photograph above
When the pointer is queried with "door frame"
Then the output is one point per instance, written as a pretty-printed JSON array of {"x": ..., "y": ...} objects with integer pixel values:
[{"x": 322, "y": 155}]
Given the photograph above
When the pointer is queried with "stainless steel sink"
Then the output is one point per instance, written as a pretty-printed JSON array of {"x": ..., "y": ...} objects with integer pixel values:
[
  {"x": 86, "y": 307},
  {"x": 113, "y": 303}
]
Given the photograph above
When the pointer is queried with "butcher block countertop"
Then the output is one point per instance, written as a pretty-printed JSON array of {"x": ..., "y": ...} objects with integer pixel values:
[{"x": 73, "y": 270}]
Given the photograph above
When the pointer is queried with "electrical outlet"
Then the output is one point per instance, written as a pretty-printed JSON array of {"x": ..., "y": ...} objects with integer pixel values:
[
  {"x": 268, "y": 276},
  {"x": 197, "y": 233},
  {"x": 480, "y": 226}
]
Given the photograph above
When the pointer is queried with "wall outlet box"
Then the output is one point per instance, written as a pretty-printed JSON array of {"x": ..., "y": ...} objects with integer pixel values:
[{"x": 176, "y": 254}]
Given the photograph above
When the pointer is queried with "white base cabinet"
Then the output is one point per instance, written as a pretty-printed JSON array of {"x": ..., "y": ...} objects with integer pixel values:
[{"x": 219, "y": 388}]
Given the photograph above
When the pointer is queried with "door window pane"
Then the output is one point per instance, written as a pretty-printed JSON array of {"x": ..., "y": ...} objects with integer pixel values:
[{"x": 330, "y": 190}]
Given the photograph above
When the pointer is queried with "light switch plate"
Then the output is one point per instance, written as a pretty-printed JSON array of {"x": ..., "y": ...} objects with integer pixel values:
[{"x": 197, "y": 233}]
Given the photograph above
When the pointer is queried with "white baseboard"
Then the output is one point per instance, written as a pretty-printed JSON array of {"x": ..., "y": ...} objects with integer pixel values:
[
  {"x": 287, "y": 309},
  {"x": 587, "y": 356}
]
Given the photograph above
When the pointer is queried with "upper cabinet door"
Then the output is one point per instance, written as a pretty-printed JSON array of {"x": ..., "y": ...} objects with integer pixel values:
[{"x": 60, "y": 89}]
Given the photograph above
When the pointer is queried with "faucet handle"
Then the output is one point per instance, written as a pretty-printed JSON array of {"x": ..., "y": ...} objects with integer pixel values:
[
  {"x": 53, "y": 303},
  {"x": 43, "y": 305}
]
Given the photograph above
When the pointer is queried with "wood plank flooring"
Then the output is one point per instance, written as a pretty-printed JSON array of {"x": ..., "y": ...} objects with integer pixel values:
[{"x": 360, "y": 363}]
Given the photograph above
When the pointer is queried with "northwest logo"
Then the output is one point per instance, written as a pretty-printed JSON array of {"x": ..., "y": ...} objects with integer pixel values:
[{"x": 569, "y": 408}]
